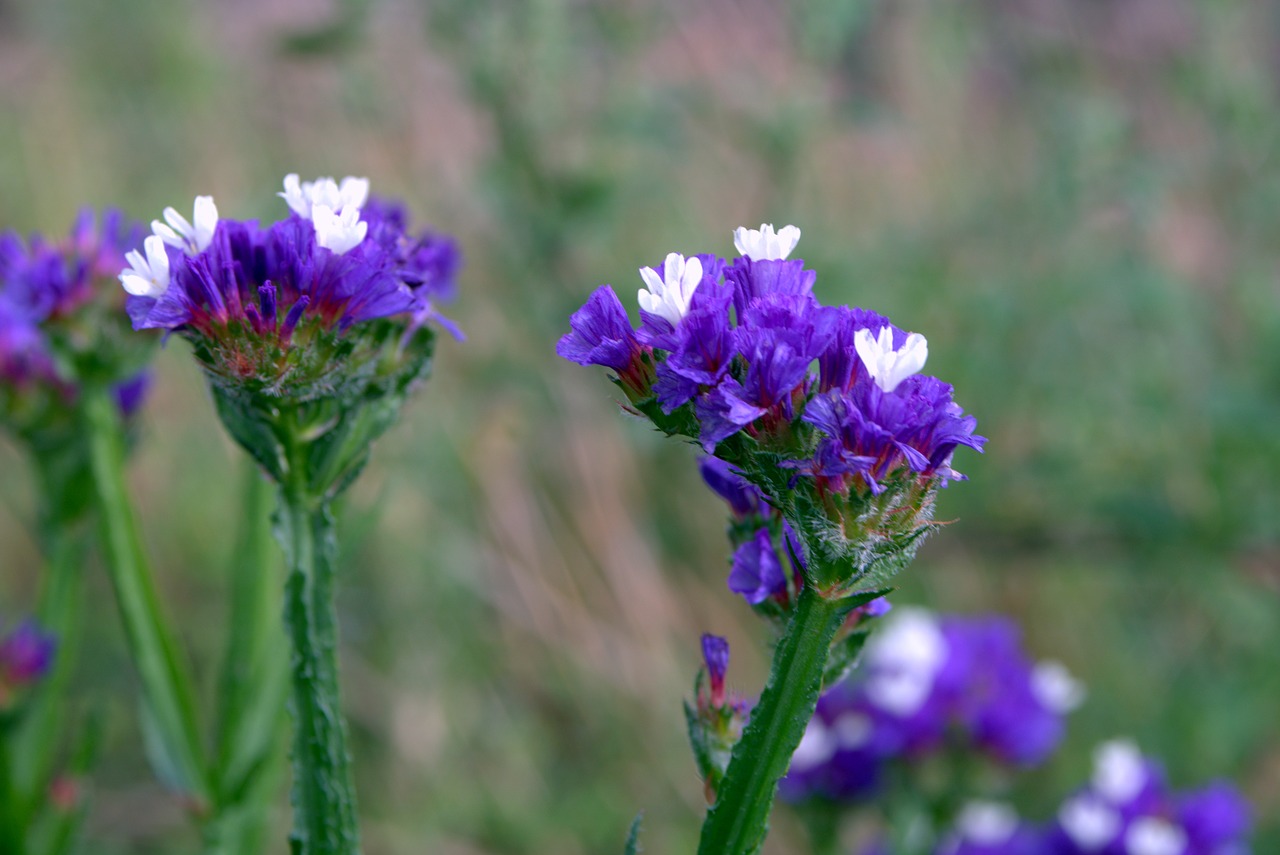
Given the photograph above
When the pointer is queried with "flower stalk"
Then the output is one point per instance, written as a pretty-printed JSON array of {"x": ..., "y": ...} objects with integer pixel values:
[
  {"x": 739, "y": 820},
  {"x": 323, "y": 787},
  {"x": 167, "y": 697}
]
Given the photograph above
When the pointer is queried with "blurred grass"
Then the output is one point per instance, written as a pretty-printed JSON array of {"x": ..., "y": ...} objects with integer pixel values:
[{"x": 1077, "y": 202}]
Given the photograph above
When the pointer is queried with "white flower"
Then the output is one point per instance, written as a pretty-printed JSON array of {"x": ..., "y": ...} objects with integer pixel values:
[
  {"x": 987, "y": 823},
  {"x": 150, "y": 277},
  {"x": 1149, "y": 835},
  {"x": 903, "y": 659},
  {"x": 1118, "y": 771},
  {"x": 852, "y": 730},
  {"x": 183, "y": 235},
  {"x": 669, "y": 295},
  {"x": 303, "y": 197},
  {"x": 1055, "y": 688},
  {"x": 1089, "y": 822},
  {"x": 338, "y": 233},
  {"x": 889, "y": 367},
  {"x": 763, "y": 244}
]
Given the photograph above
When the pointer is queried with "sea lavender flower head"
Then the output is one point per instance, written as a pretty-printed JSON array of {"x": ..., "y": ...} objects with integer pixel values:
[
  {"x": 308, "y": 319},
  {"x": 933, "y": 687},
  {"x": 850, "y": 454},
  {"x": 62, "y": 326},
  {"x": 25, "y": 656},
  {"x": 1128, "y": 808}
]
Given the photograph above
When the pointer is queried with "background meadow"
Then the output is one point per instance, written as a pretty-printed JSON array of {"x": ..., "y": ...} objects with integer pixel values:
[{"x": 1078, "y": 203}]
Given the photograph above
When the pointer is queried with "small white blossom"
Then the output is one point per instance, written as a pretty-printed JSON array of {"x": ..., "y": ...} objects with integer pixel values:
[
  {"x": 181, "y": 234},
  {"x": 903, "y": 659},
  {"x": 1089, "y": 822},
  {"x": 816, "y": 747},
  {"x": 987, "y": 823},
  {"x": 1150, "y": 835},
  {"x": 1053, "y": 686},
  {"x": 852, "y": 730},
  {"x": 889, "y": 367},
  {"x": 1118, "y": 771},
  {"x": 304, "y": 196},
  {"x": 669, "y": 295},
  {"x": 147, "y": 277},
  {"x": 763, "y": 244},
  {"x": 336, "y": 232}
]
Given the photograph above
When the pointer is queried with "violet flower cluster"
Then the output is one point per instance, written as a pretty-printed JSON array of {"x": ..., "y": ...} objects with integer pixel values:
[
  {"x": 850, "y": 453},
  {"x": 268, "y": 307},
  {"x": 59, "y": 327},
  {"x": 26, "y": 653},
  {"x": 1128, "y": 808},
  {"x": 929, "y": 684}
]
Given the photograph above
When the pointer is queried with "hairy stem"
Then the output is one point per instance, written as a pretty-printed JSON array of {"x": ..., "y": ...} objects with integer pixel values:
[
  {"x": 323, "y": 788},
  {"x": 739, "y": 820}
]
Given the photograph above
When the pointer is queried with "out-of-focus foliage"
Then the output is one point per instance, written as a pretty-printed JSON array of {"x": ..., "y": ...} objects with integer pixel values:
[{"x": 1077, "y": 202}]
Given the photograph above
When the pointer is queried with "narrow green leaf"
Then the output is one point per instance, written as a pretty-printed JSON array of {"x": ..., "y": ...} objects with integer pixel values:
[{"x": 633, "y": 836}]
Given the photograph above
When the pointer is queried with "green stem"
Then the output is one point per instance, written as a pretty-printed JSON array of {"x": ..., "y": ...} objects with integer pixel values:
[
  {"x": 253, "y": 684},
  {"x": 38, "y": 736},
  {"x": 323, "y": 788},
  {"x": 12, "y": 823},
  {"x": 739, "y": 820},
  {"x": 167, "y": 696}
]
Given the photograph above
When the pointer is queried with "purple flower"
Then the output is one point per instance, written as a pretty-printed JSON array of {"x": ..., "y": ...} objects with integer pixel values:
[
  {"x": 56, "y": 312},
  {"x": 757, "y": 573},
  {"x": 601, "y": 334},
  {"x": 992, "y": 828},
  {"x": 743, "y": 497},
  {"x": 929, "y": 683},
  {"x": 715, "y": 653},
  {"x": 754, "y": 279},
  {"x": 1128, "y": 808},
  {"x": 25, "y": 656}
]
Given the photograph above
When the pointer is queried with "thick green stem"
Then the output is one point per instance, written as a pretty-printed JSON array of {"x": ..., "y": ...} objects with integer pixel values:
[
  {"x": 323, "y": 788},
  {"x": 167, "y": 697},
  {"x": 739, "y": 820}
]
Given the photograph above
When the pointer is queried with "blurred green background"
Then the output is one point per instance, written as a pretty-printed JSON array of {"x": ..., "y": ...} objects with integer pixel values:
[{"x": 1077, "y": 201}]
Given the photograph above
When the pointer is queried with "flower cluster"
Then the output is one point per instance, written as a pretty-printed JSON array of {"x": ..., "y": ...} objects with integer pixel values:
[
  {"x": 59, "y": 328},
  {"x": 25, "y": 656},
  {"x": 1128, "y": 808},
  {"x": 849, "y": 453},
  {"x": 929, "y": 684},
  {"x": 268, "y": 308}
]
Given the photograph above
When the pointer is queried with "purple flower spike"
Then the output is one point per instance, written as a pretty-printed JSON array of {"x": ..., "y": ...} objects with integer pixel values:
[
  {"x": 715, "y": 653},
  {"x": 25, "y": 655},
  {"x": 757, "y": 573}
]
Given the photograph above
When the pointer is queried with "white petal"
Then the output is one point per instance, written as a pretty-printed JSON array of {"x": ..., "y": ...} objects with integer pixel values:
[
  {"x": 168, "y": 235},
  {"x": 987, "y": 823},
  {"x": 1055, "y": 688},
  {"x": 136, "y": 285},
  {"x": 1089, "y": 822},
  {"x": 353, "y": 192},
  {"x": 815, "y": 748},
  {"x": 1149, "y": 835},
  {"x": 157, "y": 259},
  {"x": 293, "y": 196},
  {"x": 206, "y": 221},
  {"x": 179, "y": 222},
  {"x": 1118, "y": 771}
]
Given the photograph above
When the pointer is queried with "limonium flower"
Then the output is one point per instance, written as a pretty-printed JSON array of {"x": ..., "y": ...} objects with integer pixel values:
[
  {"x": 26, "y": 654},
  {"x": 1128, "y": 808},
  {"x": 269, "y": 308},
  {"x": 822, "y": 408},
  {"x": 716, "y": 718},
  {"x": 929, "y": 684},
  {"x": 61, "y": 325}
]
